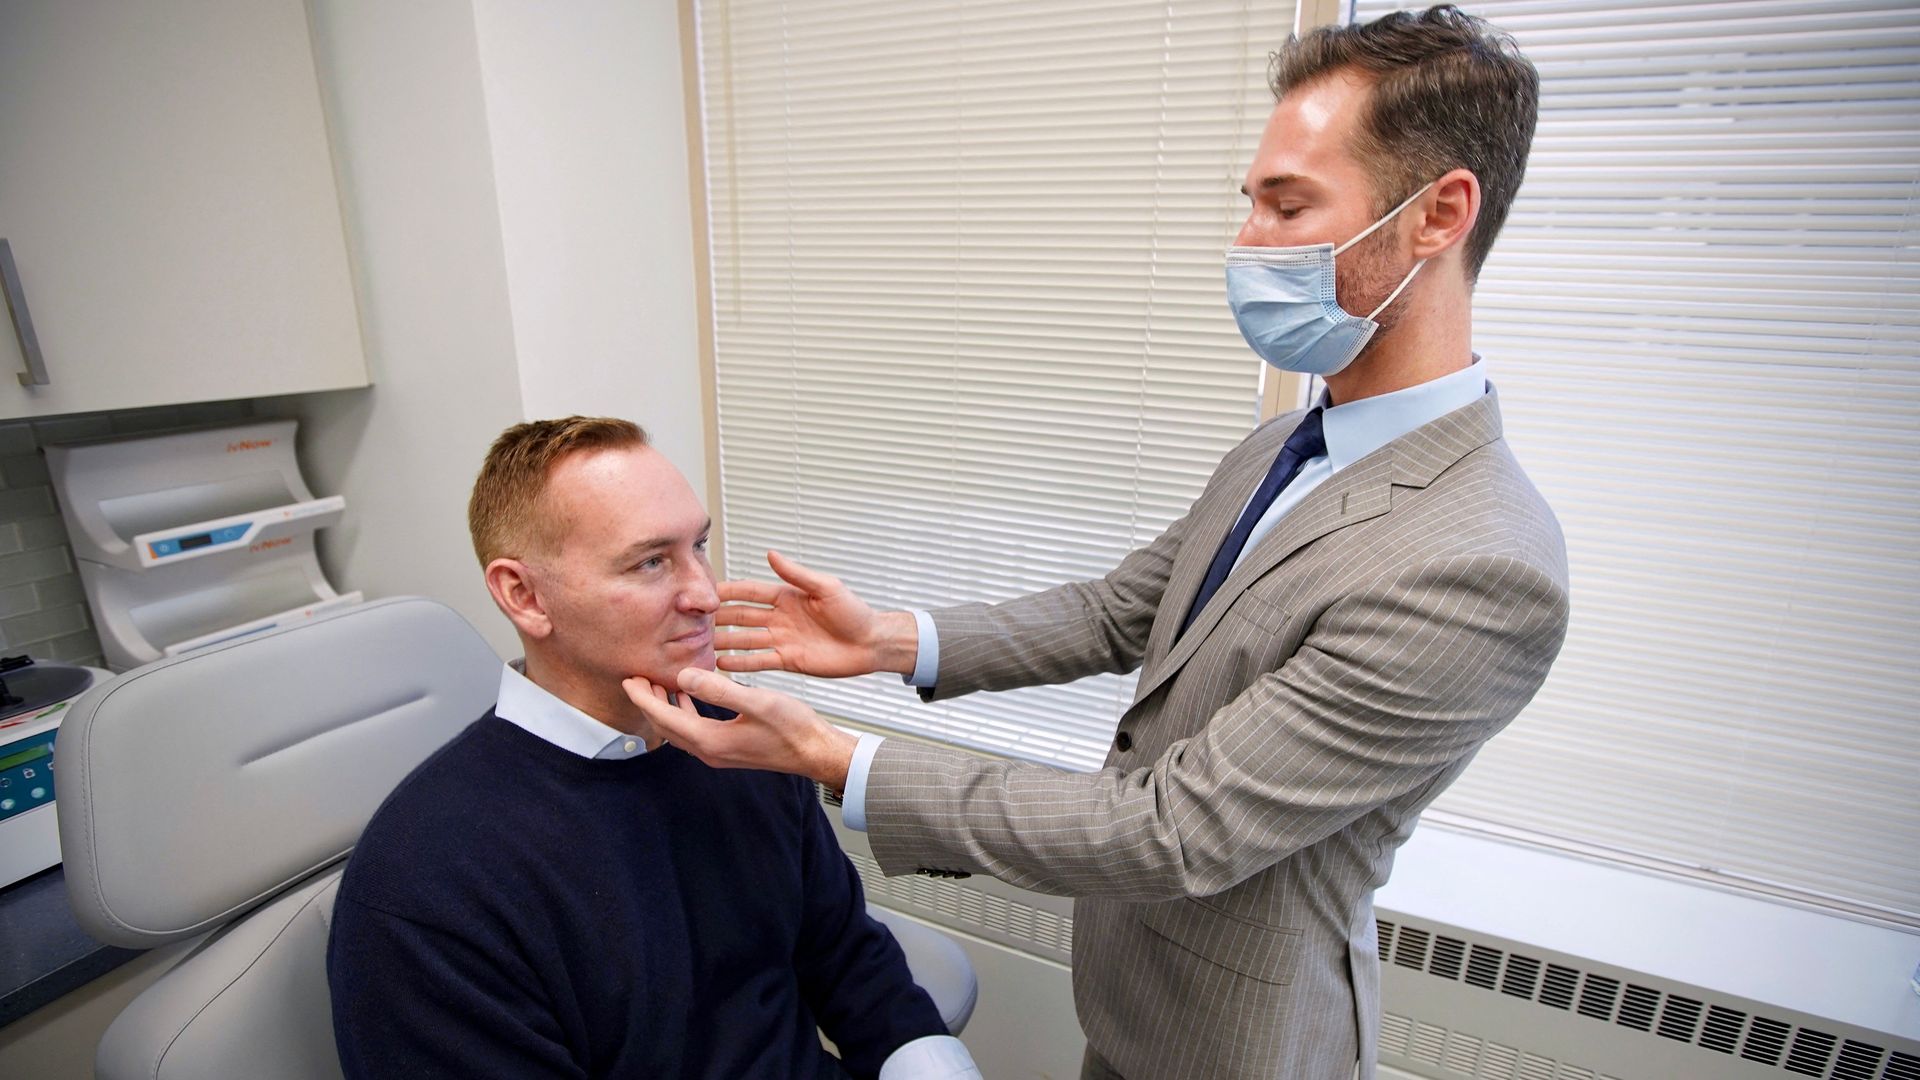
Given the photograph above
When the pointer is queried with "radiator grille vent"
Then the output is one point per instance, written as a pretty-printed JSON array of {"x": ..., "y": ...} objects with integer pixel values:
[
  {"x": 1796, "y": 1050},
  {"x": 1523, "y": 976},
  {"x": 1483, "y": 966},
  {"x": 1636, "y": 1008},
  {"x": 973, "y": 908},
  {"x": 1470, "y": 1055},
  {"x": 1558, "y": 988},
  {"x": 1722, "y": 1032},
  {"x": 1680, "y": 1018},
  {"x": 1598, "y": 997},
  {"x": 1902, "y": 1067},
  {"x": 1449, "y": 957}
]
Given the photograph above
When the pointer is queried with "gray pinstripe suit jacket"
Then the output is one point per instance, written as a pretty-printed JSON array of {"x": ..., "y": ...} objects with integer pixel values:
[{"x": 1278, "y": 752}]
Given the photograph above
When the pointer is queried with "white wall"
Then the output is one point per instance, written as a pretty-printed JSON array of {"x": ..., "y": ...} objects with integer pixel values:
[
  {"x": 402, "y": 91},
  {"x": 587, "y": 115},
  {"x": 514, "y": 178}
]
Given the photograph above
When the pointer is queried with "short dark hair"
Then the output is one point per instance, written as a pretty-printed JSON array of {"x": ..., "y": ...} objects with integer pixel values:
[
  {"x": 1449, "y": 91},
  {"x": 503, "y": 513}
]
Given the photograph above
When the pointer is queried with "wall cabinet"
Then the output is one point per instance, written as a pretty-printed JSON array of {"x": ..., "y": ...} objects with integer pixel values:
[{"x": 169, "y": 200}]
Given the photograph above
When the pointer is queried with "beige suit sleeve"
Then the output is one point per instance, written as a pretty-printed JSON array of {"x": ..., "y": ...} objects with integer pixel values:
[
  {"x": 1394, "y": 687},
  {"x": 1084, "y": 627},
  {"x": 1065, "y": 633}
]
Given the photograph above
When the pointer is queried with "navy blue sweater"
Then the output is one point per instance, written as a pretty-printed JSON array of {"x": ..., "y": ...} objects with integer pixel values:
[{"x": 515, "y": 910}]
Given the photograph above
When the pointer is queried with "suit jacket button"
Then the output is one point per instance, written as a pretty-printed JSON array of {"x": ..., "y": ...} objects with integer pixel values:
[{"x": 1123, "y": 741}]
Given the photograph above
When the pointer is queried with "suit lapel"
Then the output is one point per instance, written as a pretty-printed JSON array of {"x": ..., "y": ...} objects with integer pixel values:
[
  {"x": 1209, "y": 531},
  {"x": 1360, "y": 492},
  {"x": 1357, "y": 493}
]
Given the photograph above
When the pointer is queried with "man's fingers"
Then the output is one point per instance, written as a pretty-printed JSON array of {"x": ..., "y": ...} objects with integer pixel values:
[
  {"x": 717, "y": 689},
  {"x": 742, "y": 615},
  {"x": 753, "y": 661},
  {"x": 808, "y": 581},
  {"x": 744, "y": 637},
  {"x": 749, "y": 592},
  {"x": 711, "y": 688},
  {"x": 677, "y": 723},
  {"x": 650, "y": 698}
]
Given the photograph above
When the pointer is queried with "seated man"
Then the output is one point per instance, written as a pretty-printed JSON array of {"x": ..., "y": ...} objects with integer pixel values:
[{"x": 558, "y": 893}]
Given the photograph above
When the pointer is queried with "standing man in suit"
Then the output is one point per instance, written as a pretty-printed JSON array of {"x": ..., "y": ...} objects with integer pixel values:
[{"x": 1363, "y": 594}]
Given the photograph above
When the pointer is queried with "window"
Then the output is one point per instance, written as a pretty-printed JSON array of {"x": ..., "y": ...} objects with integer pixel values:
[
  {"x": 971, "y": 342},
  {"x": 970, "y": 330}
]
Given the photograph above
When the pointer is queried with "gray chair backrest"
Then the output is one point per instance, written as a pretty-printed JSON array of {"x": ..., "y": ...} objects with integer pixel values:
[{"x": 196, "y": 789}]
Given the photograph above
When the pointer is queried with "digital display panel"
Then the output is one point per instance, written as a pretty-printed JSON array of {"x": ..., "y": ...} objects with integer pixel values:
[{"x": 32, "y": 753}]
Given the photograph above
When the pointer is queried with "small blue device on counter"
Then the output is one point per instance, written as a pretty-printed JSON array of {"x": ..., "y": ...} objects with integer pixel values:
[
  {"x": 26, "y": 774},
  {"x": 33, "y": 700}
]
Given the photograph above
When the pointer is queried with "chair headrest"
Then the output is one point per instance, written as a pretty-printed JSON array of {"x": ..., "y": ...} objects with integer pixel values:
[{"x": 194, "y": 788}]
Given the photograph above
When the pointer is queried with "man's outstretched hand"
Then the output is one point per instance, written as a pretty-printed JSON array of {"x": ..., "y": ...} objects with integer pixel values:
[
  {"x": 773, "y": 731},
  {"x": 812, "y": 624}
]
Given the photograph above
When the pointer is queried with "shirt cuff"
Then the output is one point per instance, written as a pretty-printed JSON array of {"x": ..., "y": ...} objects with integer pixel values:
[
  {"x": 934, "y": 1057},
  {"x": 853, "y": 801},
  {"x": 926, "y": 662}
]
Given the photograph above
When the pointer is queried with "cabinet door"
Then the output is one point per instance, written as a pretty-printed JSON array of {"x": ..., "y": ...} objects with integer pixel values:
[{"x": 169, "y": 196}]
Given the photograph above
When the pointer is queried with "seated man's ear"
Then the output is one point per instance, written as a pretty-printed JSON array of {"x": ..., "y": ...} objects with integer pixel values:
[{"x": 512, "y": 584}]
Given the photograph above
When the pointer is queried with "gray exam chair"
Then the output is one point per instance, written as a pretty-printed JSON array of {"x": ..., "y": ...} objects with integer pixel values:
[{"x": 219, "y": 793}]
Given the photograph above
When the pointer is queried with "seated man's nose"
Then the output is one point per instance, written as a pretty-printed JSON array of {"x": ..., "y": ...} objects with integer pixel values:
[{"x": 700, "y": 595}]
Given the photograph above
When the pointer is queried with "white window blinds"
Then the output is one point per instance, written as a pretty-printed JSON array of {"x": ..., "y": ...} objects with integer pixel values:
[
  {"x": 969, "y": 324},
  {"x": 1704, "y": 318}
]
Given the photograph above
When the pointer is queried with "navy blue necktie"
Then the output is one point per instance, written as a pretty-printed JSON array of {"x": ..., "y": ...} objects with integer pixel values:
[{"x": 1308, "y": 441}]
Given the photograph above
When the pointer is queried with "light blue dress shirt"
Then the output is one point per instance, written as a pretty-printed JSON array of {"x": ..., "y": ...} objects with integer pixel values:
[
  {"x": 530, "y": 707},
  {"x": 1353, "y": 431}
]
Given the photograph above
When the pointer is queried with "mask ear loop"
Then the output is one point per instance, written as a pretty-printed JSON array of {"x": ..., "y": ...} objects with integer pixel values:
[
  {"x": 1411, "y": 274},
  {"x": 1390, "y": 215},
  {"x": 1404, "y": 282}
]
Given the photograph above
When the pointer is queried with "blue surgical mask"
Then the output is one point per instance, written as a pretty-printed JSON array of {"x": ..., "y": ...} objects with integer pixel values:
[{"x": 1283, "y": 299}]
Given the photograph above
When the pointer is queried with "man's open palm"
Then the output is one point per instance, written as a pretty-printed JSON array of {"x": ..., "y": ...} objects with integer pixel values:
[{"x": 811, "y": 624}]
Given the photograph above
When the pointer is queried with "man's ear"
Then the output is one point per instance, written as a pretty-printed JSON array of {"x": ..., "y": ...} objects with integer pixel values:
[
  {"x": 512, "y": 584},
  {"x": 1446, "y": 214}
]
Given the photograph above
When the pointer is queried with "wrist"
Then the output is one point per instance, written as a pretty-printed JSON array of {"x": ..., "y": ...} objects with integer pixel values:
[
  {"x": 835, "y": 759},
  {"x": 896, "y": 647}
]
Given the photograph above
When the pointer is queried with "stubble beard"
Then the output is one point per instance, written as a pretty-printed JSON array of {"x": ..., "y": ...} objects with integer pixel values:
[{"x": 1372, "y": 273}]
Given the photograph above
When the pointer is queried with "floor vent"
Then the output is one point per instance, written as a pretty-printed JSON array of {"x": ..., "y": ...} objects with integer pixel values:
[{"x": 1794, "y": 1049}]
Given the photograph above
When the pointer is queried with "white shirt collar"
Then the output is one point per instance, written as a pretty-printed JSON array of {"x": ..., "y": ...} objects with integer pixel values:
[
  {"x": 530, "y": 707},
  {"x": 1358, "y": 428}
]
